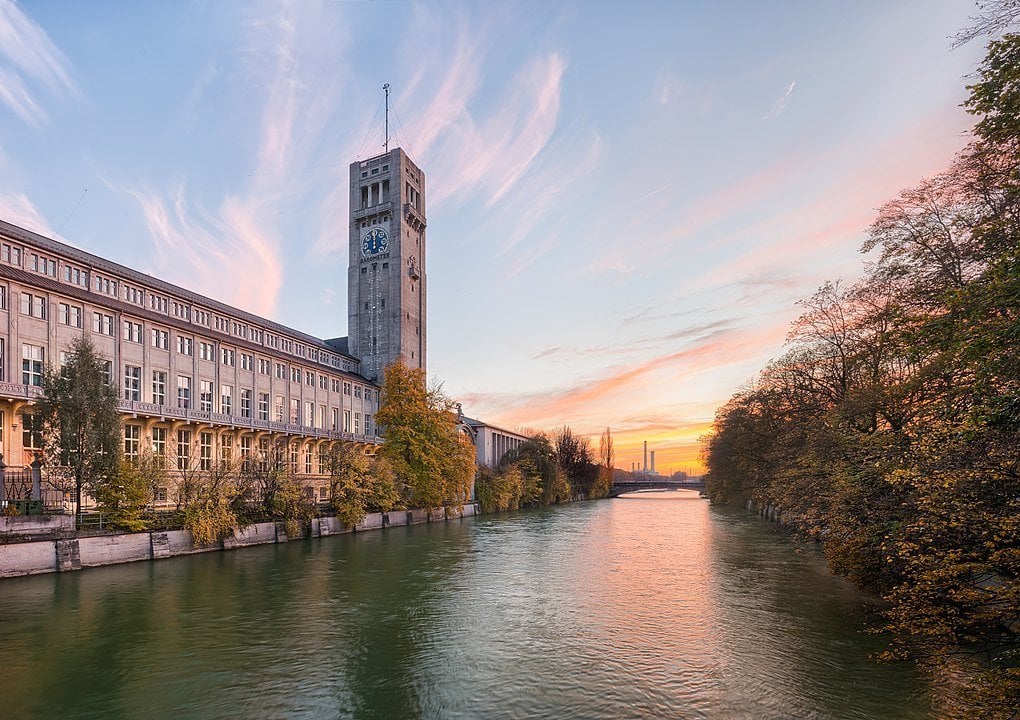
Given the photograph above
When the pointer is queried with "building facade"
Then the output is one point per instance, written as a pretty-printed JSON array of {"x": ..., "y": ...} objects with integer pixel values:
[
  {"x": 199, "y": 381},
  {"x": 386, "y": 275},
  {"x": 491, "y": 442},
  {"x": 202, "y": 382}
]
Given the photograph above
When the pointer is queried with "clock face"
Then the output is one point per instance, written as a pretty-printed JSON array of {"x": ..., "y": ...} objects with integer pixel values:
[{"x": 374, "y": 241}]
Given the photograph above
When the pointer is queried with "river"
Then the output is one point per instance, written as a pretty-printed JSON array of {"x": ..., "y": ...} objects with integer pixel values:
[{"x": 649, "y": 606}]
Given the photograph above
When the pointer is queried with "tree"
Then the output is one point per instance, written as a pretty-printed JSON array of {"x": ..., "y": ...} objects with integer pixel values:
[
  {"x": 82, "y": 429},
  {"x": 607, "y": 459},
  {"x": 891, "y": 427},
  {"x": 432, "y": 460},
  {"x": 125, "y": 496},
  {"x": 996, "y": 16},
  {"x": 349, "y": 486},
  {"x": 573, "y": 455},
  {"x": 384, "y": 492},
  {"x": 545, "y": 483}
]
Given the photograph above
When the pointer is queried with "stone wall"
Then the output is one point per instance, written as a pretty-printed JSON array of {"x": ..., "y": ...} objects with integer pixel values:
[
  {"x": 64, "y": 554},
  {"x": 36, "y": 525}
]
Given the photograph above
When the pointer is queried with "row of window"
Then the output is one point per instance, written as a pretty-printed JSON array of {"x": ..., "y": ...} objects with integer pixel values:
[
  {"x": 32, "y": 432},
  {"x": 183, "y": 441},
  {"x": 34, "y": 305},
  {"x": 327, "y": 417},
  {"x": 33, "y": 364},
  {"x": 14, "y": 255}
]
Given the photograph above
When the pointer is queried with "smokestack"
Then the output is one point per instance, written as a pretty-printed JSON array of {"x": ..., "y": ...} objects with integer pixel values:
[
  {"x": 653, "y": 462},
  {"x": 645, "y": 467}
]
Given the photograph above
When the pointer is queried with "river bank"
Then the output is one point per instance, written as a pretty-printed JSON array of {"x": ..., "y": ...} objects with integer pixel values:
[
  {"x": 650, "y": 606},
  {"x": 61, "y": 549}
]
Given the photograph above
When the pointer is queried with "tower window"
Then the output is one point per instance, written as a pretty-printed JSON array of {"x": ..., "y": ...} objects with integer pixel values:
[
  {"x": 366, "y": 306},
  {"x": 364, "y": 271},
  {"x": 385, "y": 265}
]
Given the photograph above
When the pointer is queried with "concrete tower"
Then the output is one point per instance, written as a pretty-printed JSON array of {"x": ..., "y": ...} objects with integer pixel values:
[{"x": 386, "y": 275}]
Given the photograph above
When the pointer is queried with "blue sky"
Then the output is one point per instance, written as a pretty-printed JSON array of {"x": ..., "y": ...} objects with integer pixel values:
[{"x": 625, "y": 199}]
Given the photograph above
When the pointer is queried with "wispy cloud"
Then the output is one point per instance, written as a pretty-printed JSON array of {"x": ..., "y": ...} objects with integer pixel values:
[
  {"x": 221, "y": 253},
  {"x": 27, "y": 58},
  {"x": 290, "y": 59},
  {"x": 579, "y": 404},
  {"x": 670, "y": 91},
  {"x": 533, "y": 201},
  {"x": 198, "y": 93},
  {"x": 16, "y": 208},
  {"x": 641, "y": 396},
  {"x": 491, "y": 153},
  {"x": 779, "y": 105}
]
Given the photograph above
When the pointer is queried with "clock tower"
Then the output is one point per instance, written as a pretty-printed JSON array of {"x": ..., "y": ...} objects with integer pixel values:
[{"x": 386, "y": 275}]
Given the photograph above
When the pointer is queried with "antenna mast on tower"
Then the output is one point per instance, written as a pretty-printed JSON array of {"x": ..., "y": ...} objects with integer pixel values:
[{"x": 386, "y": 143}]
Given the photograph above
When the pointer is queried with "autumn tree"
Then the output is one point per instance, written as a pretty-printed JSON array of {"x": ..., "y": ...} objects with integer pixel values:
[
  {"x": 499, "y": 490},
  {"x": 82, "y": 430},
  {"x": 349, "y": 488},
  {"x": 545, "y": 483},
  {"x": 606, "y": 461},
  {"x": 890, "y": 428},
  {"x": 432, "y": 460},
  {"x": 574, "y": 456}
]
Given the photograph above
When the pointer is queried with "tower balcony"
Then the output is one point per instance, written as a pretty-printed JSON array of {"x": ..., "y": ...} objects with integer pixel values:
[
  {"x": 383, "y": 208},
  {"x": 414, "y": 218}
]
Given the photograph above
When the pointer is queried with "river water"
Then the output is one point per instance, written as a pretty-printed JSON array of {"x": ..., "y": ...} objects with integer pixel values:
[{"x": 650, "y": 606}]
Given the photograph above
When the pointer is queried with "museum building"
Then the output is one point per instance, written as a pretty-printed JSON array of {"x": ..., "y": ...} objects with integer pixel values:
[{"x": 200, "y": 381}]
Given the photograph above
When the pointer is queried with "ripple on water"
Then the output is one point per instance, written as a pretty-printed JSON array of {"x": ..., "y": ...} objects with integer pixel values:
[{"x": 631, "y": 608}]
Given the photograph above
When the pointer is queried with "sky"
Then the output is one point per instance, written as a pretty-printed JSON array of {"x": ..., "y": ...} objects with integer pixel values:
[{"x": 625, "y": 200}]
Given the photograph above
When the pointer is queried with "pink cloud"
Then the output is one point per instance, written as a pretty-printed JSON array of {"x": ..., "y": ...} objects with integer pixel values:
[
  {"x": 595, "y": 403},
  {"x": 218, "y": 256}
]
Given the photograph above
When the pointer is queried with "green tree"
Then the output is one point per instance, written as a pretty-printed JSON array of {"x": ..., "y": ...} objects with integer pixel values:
[
  {"x": 349, "y": 483},
  {"x": 504, "y": 489},
  {"x": 385, "y": 494},
  {"x": 82, "y": 429},
  {"x": 125, "y": 496},
  {"x": 891, "y": 426},
  {"x": 545, "y": 483}
]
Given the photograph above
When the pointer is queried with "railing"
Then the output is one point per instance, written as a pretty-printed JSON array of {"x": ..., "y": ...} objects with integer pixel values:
[
  {"x": 143, "y": 408},
  {"x": 18, "y": 390},
  {"x": 29, "y": 491},
  {"x": 372, "y": 210},
  {"x": 137, "y": 407}
]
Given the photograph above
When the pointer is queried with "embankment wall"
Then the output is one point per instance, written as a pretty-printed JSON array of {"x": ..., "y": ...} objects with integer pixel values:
[{"x": 71, "y": 552}]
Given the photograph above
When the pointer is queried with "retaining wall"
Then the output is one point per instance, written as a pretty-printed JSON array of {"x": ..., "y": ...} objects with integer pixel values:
[
  {"x": 74, "y": 553},
  {"x": 36, "y": 525}
]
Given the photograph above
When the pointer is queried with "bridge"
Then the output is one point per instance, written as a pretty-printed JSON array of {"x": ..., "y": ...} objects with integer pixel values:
[{"x": 650, "y": 483}]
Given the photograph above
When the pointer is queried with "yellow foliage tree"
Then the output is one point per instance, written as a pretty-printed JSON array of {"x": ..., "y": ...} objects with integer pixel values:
[{"x": 430, "y": 457}]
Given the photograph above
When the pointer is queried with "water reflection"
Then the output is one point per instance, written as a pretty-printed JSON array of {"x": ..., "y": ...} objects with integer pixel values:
[{"x": 637, "y": 607}]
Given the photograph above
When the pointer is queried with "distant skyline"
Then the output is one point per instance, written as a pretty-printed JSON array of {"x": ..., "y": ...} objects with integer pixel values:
[{"x": 625, "y": 201}]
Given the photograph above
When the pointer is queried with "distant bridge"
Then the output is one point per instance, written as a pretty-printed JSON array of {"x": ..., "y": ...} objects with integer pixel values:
[{"x": 648, "y": 483}]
